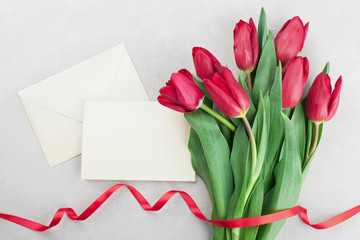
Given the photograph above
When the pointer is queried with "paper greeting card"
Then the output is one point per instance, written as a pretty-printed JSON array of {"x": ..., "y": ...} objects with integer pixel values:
[
  {"x": 55, "y": 106},
  {"x": 135, "y": 141}
]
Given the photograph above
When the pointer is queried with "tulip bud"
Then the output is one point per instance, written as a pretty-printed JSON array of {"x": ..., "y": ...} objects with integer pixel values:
[
  {"x": 206, "y": 65},
  {"x": 181, "y": 93},
  {"x": 228, "y": 94},
  {"x": 246, "y": 47},
  {"x": 290, "y": 39},
  {"x": 295, "y": 75},
  {"x": 321, "y": 104}
]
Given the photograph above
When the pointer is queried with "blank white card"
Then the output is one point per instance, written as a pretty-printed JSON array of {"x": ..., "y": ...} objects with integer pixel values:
[{"x": 135, "y": 141}]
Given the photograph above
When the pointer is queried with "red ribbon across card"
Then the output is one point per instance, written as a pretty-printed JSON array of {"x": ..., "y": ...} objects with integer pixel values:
[{"x": 235, "y": 223}]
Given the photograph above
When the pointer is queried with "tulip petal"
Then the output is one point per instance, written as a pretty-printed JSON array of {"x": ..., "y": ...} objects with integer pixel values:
[
  {"x": 190, "y": 76},
  {"x": 290, "y": 39},
  {"x": 243, "y": 46},
  {"x": 335, "y": 99},
  {"x": 294, "y": 81},
  {"x": 254, "y": 42},
  {"x": 306, "y": 66},
  {"x": 284, "y": 70},
  {"x": 181, "y": 93},
  {"x": 186, "y": 95},
  {"x": 221, "y": 83},
  {"x": 327, "y": 81},
  {"x": 186, "y": 73},
  {"x": 318, "y": 99},
  {"x": 237, "y": 91},
  {"x": 306, "y": 28},
  {"x": 284, "y": 26},
  {"x": 205, "y": 63},
  {"x": 224, "y": 101},
  {"x": 246, "y": 46},
  {"x": 167, "y": 103},
  {"x": 169, "y": 92}
]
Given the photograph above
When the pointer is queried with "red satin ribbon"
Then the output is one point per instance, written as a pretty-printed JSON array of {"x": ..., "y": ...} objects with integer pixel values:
[{"x": 236, "y": 223}]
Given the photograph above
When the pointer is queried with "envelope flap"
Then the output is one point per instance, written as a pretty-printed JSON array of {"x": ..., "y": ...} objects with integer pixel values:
[
  {"x": 58, "y": 136},
  {"x": 66, "y": 91},
  {"x": 127, "y": 85}
]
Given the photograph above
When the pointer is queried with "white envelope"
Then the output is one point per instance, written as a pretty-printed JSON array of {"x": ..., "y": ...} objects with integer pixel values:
[
  {"x": 54, "y": 106},
  {"x": 135, "y": 141}
]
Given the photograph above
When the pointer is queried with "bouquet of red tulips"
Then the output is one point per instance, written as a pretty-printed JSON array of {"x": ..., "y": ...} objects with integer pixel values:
[{"x": 252, "y": 140}]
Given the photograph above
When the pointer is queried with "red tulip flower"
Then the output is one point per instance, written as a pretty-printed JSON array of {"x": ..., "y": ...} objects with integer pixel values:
[
  {"x": 290, "y": 39},
  {"x": 206, "y": 65},
  {"x": 246, "y": 47},
  {"x": 321, "y": 104},
  {"x": 181, "y": 93},
  {"x": 295, "y": 75},
  {"x": 228, "y": 94}
]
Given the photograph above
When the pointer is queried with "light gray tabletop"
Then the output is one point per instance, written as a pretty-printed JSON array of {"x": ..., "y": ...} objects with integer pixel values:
[{"x": 40, "y": 38}]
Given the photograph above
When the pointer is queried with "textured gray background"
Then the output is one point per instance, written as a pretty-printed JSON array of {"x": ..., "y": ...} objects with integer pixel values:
[{"x": 38, "y": 38}]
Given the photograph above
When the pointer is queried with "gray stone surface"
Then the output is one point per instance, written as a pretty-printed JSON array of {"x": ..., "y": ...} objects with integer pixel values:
[{"x": 39, "y": 38}]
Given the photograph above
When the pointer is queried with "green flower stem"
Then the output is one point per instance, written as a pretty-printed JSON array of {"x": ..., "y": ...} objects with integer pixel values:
[
  {"x": 313, "y": 146},
  {"x": 253, "y": 144},
  {"x": 253, "y": 178},
  {"x": 248, "y": 77},
  {"x": 218, "y": 117}
]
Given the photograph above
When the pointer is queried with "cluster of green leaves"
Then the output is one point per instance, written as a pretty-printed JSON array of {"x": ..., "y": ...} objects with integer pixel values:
[{"x": 222, "y": 159}]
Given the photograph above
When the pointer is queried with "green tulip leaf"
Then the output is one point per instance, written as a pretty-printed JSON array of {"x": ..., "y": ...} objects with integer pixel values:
[
  {"x": 266, "y": 69},
  {"x": 262, "y": 30},
  {"x": 217, "y": 154},
  {"x": 326, "y": 69},
  {"x": 288, "y": 182},
  {"x": 239, "y": 158},
  {"x": 309, "y": 136},
  {"x": 199, "y": 164},
  {"x": 298, "y": 121},
  {"x": 238, "y": 206},
  {"x": 208, "y": 102},
  {"x": 235, "y": 121},
  {"x": 276, "y": 130},
  {"x": 228, "y": 134},
  {"x": 260, "y": 130},
  {"x": 310, "y": 132},
  {"x": 254, "y": 209}
]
